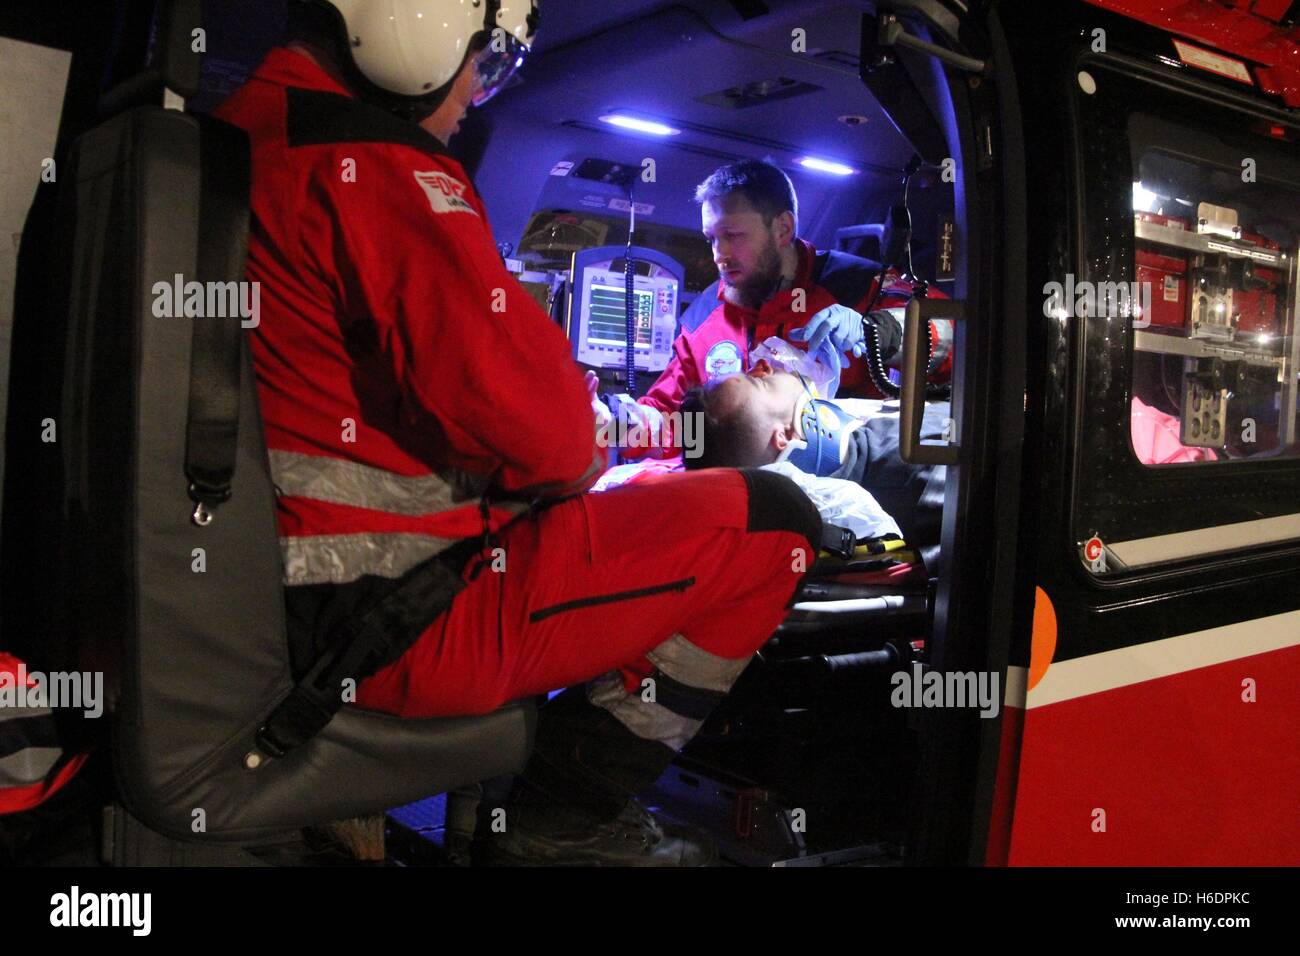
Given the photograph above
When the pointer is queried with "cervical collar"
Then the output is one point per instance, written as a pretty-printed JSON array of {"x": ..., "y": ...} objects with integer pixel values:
[{"x": 824, "y": 432}]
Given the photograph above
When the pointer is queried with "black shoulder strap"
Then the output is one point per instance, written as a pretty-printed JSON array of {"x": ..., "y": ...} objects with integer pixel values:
[
  {"x": 375, "y": 635},
  {"x": 318, "y": 118},
  {"x": 314, "y": 117},
  {"x": 212, "y": 429}
]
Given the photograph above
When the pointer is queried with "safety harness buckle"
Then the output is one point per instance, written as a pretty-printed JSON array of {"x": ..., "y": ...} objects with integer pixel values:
[
  {"x": 838, "y": 541},
  {"x": 206, "y": 499},
  {"x": 362, "y": 645}
]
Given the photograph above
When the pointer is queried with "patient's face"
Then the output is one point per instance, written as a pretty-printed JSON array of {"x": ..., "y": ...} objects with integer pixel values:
[{"x": 774, "y": 395}]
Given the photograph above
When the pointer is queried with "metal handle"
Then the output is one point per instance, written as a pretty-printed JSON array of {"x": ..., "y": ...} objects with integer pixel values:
[
  {"x": 912, "y": 398},
  {"x": 893, "y": 33}
]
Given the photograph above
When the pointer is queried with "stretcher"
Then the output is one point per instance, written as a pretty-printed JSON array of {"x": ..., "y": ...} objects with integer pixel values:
[{"x": 861, "y": 596}]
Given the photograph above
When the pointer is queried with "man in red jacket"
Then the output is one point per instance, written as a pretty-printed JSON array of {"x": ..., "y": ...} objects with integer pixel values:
[
  {"x": 395, "y": 359},
  {"x": 770, "y": 283}
]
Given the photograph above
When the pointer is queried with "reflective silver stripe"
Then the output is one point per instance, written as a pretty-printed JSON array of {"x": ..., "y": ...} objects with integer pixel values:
[
  {"x": 352, "y": 483},
  {"x": 685, "y": 663},
  {"x": 649, "y": 721},
  {"x": 27, "y": 766},
  {"x": 340, "y": 558},
  {"x": 689, "y": 664}
]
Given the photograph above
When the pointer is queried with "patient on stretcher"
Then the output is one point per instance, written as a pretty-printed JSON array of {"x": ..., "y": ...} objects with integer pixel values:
[{"x": 771, "y": 418}]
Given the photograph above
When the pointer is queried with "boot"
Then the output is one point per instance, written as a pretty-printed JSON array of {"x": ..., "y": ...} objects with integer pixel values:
[
  {"x": 461, "y": 813},
  {"x": 573, "y": 805},
  {"x": 634, "y": 838}
]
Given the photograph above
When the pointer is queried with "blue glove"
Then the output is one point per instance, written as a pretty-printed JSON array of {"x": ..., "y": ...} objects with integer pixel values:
[
  {"x": 834, "y": 361},
  {"x": 839, "y": 325}
]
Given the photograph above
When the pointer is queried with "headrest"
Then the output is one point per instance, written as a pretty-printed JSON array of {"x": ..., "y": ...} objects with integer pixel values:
[
  {"x": 863, "y": 240},
  {"x": 175, "y": 65}
]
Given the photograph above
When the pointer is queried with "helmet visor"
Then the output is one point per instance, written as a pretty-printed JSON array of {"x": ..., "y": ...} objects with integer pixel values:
[{"x": 495, "y": 64}]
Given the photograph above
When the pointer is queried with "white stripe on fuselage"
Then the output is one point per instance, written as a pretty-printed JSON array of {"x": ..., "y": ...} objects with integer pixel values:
[{"x": 1066, "y": 680}]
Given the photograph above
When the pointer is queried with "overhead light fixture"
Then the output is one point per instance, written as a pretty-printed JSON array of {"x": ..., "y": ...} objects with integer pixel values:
[
  {"x": 638, "y": 125},
  {"x": 826, "y": 166}
]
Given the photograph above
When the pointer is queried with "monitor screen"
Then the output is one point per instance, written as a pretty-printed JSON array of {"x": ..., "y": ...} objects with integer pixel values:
[{"x": 607, "y": 320}]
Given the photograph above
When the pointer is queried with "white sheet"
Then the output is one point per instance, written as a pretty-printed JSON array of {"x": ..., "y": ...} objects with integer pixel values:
[{"x": 841, "y": 502}]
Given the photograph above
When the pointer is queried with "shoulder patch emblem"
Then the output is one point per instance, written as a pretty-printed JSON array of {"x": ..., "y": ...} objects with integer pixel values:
[
  {"x": 445, "y": 193},
  {"x": 722, "y": 359}
]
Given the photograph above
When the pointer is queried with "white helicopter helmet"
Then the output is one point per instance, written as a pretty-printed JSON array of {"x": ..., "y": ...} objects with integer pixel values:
[{"x": 410, "y": 51}]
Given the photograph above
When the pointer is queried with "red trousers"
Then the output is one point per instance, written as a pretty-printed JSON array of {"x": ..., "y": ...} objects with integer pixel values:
[{"x": 596, "y": 583}]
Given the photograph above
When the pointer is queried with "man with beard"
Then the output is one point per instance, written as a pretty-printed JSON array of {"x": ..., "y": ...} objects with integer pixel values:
[{"x": 771, "y": 282}]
